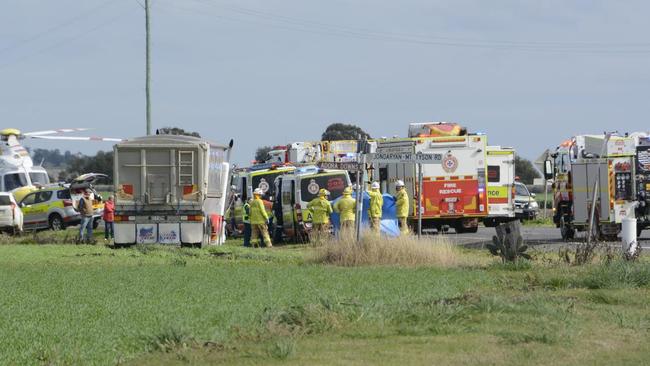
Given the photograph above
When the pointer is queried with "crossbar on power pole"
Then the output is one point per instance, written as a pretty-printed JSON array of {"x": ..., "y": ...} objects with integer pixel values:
[{"x": 148, "y": 66}]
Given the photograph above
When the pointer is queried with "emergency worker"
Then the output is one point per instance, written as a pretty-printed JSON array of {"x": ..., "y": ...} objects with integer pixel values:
[
  {"x": 346, "y": 207},
  {"x": 259, "y": 220},
  {"x": 375, "y": 209},
  {"x": 321, "y": 209},
  {"x": 402, "y": 203}
]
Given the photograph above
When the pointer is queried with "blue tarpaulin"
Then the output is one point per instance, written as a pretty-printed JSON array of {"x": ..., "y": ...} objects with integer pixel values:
[{"x": 389, "y": 225}]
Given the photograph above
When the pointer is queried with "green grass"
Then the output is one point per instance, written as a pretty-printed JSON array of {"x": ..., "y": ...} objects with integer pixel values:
[{"x": 65, "y": 304}]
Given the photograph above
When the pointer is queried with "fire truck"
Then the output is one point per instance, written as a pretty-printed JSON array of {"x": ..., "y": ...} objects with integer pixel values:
[
  {"x": 454, "y": 193},
  {"x": 324, "y": 154},
  {"x": 583, "y": 164},
  {"x": 642, "y": 180}
]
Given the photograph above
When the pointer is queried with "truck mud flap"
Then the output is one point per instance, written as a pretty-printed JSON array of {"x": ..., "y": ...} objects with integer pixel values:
[{"x": 124, "y": 233}]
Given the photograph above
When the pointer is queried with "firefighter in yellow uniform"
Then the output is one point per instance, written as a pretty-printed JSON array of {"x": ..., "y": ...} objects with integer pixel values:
[
  {"x": 346, "y": 207},
  {"x": 259, "y": 220},
  {"x": 375, "y": 209},
  {"x": 321, "y": 209},
  {"x": 402, "y": 203}
]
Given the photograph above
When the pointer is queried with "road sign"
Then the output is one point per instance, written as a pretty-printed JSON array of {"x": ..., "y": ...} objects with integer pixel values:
[
  {"x": 349, "y": 166},
  {"x": 405, "y": 157}
]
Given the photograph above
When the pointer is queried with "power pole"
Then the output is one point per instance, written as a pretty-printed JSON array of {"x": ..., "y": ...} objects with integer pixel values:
[{"x": 148, "y": 76}]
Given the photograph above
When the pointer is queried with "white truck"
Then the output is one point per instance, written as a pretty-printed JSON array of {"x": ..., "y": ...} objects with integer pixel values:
[{"x": 170, "y": 190}]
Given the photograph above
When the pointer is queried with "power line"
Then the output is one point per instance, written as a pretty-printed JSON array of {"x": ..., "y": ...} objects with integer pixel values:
[
  {"x": 65, "y": 41},
  {"x": 307, "y": 26},
  {"x": 56, "y": 27}
]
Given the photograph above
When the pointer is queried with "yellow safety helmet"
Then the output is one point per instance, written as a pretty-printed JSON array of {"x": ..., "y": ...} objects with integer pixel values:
[
  {"x": 323, "y": 192},
  {"x": 347, "y": 191}
]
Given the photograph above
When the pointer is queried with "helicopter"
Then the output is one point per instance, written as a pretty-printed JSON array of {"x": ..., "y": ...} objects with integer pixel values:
[{"x": 17, "y": 169}]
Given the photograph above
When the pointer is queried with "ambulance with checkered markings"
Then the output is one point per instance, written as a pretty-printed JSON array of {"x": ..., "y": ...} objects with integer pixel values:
[
  {"x": 454, "y": 193},
  {"x": 501, "y": 185},
  {"x": 170, "y": 190}
]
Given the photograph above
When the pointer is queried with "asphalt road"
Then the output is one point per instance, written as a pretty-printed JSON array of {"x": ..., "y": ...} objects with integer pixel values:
[{"x": 541, "y": 237}]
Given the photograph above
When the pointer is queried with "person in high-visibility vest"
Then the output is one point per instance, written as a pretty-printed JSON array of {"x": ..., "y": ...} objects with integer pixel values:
[
  {"x": 321, "y": 209},
  {"x": 247, "y": 223},
  {"x": 346, "y": 207},
  {"x": 402, "y": 203},
  {"x": 376, "y": 205},
  {"x": 259, "y": 220}
]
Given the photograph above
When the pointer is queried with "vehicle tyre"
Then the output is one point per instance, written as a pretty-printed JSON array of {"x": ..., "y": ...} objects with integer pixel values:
[
  {"x": 56, "y": 222},
  {"x": 95, "y": 223},
  {"x": 567, "y": 232},
  {"x": 471, "y": 230}
]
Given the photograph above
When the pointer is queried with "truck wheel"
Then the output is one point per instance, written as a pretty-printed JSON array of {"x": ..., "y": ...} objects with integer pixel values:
[
  {"x": 471, "y": 230},
  {"x": 95, "y": 223},
  {"x": 56, "y": 222},
  {"x": 567, "y": 232}
]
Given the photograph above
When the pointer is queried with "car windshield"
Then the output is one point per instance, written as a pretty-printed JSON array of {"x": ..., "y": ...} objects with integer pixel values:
[
  {"x": 40, "y": 178},
  {"x": 334, "y": 183},
  {"x": 5, "y": 201},
  {"x": 521, "y": 190},
  {"x": 14, "y": 180}
]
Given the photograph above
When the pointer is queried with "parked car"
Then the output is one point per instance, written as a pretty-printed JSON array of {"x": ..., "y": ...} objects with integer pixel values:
[
  {"x": 11, "y": 217},
  {"x": 526, "y": 207},
  {"x": 53, "y": 207}
]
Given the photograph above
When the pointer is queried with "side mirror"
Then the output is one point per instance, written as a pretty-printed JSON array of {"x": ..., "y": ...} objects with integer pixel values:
[
  {"x": 548, "y": 170},
  {"x": 22, "y": 204},
  {"x": 533, "y": 195}
]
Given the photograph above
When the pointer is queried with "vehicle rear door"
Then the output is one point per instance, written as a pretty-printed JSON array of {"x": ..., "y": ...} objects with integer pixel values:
[
  {"x": 501, "y": 179},
  {"x": 288, "y": 201}
]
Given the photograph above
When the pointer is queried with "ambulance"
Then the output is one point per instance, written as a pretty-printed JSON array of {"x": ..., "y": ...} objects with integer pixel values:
[
  {"x": 243, "y": 182},
  {"x": 578, "y": 164},
  {"x": 501, "y": 185},
  {"x": 297, "y": 188},
  {"x": 454, "y": 191}
]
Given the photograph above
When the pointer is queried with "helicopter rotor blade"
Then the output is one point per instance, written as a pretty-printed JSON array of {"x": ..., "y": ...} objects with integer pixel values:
[
  {"x": 53, "y": 132},
  {"x": 77, "y": 138}
]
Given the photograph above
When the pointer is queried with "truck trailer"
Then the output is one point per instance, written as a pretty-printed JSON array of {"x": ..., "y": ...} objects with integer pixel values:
[{"x": 170, "y": 190}]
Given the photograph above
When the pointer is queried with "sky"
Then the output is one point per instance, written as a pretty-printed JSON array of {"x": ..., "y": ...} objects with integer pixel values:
[{"x": 529, "y": 74}]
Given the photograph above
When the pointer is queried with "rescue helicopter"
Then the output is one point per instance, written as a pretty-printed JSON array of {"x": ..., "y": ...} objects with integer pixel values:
[{"x": 17, "y": 169}]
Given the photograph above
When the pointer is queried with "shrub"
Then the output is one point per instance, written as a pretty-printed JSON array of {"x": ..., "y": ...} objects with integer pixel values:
[{"x": 402, "y": 251}]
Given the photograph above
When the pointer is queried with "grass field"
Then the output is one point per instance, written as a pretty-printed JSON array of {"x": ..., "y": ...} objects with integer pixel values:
[{"x": 66, "y": 304}]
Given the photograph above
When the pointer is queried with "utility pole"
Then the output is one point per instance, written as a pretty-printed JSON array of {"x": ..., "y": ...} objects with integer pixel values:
[{"x": 148, "y": 67}]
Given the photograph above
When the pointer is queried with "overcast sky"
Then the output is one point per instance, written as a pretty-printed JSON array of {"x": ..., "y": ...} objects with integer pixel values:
[{"x": 268, "y": 72}]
